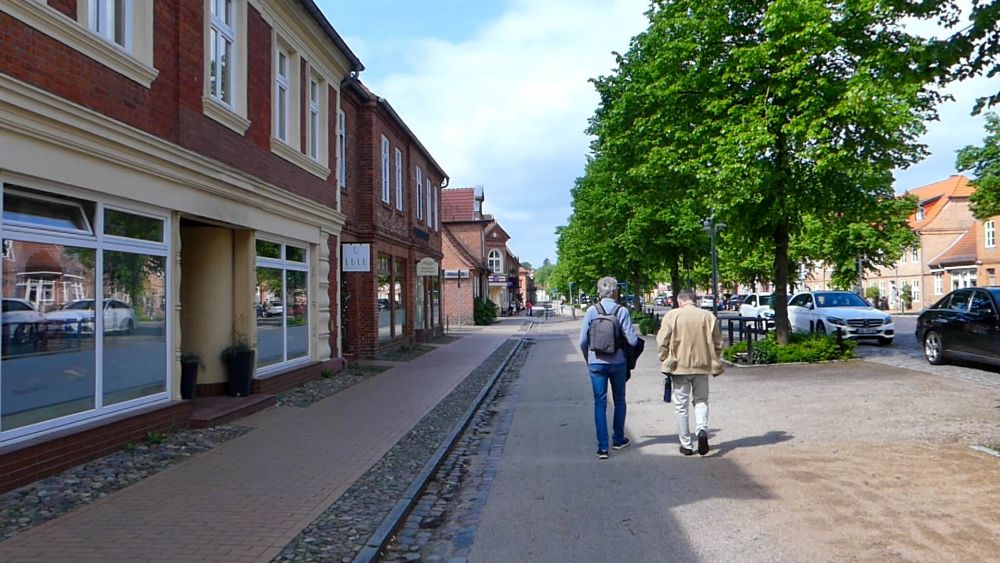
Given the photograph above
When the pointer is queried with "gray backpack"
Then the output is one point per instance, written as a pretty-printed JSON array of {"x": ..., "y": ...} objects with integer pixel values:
[{"x": 605, "y": 332}]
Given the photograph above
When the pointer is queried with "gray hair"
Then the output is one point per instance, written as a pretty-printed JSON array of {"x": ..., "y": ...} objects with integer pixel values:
[
  {"x": 606, "y": 287},
  {"x": 686, "y": 295}
]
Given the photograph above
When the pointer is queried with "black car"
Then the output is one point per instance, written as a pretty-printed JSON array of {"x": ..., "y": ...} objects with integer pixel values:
[{"x": 965, "y": 324}]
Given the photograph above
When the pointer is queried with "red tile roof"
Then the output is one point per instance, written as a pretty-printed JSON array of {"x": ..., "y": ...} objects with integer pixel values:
[
  {"x": 961, "y": 253},
  {"x": 457, "y": 204},
  {"x": 933, "y": 197}
]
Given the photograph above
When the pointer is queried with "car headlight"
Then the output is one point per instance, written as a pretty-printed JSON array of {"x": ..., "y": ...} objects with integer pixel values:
[
  {"x": 887, "y": 320},
  {"x": 767, "y": 314},
  {"x": 835, "y": 321}
]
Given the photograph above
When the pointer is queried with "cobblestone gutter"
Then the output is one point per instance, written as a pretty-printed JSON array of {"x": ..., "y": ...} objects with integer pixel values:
[{"x": 342, "y": 531}]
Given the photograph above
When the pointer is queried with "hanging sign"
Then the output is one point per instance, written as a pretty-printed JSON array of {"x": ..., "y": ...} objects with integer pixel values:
[
  {"x": 356, "y": 257},
  {"x": 428, "y": 267}
]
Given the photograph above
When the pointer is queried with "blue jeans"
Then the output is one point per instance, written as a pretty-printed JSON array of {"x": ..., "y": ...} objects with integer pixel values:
[{"x": 600, "y": 374}]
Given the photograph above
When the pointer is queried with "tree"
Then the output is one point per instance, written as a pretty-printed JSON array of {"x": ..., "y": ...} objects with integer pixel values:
[
  {"x": 984, "y": 163},
  {"x": 776, "y": 110},
  {"x": 526, "y": 265}
]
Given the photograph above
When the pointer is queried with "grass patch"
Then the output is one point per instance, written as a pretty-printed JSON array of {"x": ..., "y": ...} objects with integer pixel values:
[
  {"x": 406, "y": 353},
  {"x": 807, "y": 348}
]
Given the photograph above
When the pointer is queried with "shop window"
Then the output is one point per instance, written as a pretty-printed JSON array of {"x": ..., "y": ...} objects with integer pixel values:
[
  {"x": 399, "y": 298},
  {"x": 282, "y": 304},
  {"x": 384, "y": 298},
  {"x": 84, "y": 329}
]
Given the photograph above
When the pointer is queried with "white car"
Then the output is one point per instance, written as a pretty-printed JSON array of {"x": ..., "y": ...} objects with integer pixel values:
[
  {"x": 706, "y": 302},
  {"x": 20, "y": 320},
  {"x": 825, "y": 312},
  {"x": 78, "y": 317},
  {"x": 758, "y": 305}
]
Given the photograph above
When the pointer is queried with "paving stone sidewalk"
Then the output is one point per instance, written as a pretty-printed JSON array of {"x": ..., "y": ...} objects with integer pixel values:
[{"x": 247, "y": 499}]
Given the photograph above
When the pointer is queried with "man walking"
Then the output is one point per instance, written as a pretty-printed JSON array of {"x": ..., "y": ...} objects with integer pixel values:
[
  {"x": 606, "y": 326},
  {"x": 690, "y": 342}
]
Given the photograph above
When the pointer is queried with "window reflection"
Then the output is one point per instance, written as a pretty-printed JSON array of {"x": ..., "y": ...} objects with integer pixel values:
[
  {"x": 49, "y": 362},
  {"x": 384, "y": 298},
  {"x": 270, "y": 316},
  {"x": 296, "y": 314},
  {"x": 399, "y": 297}
]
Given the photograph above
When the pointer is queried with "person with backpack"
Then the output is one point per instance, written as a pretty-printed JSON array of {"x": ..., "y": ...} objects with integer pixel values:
[
  {"x": 607, "y": 328},
  {"x": 690, "y": 342}
]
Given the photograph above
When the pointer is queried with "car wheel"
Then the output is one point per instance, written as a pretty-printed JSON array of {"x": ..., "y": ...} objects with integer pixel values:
[
  {"x": 934, "y": 348},
  {"x": 128, "y": 327},
  {"x": 23, "y": 334},
  {"x": 820, "y": 327},
  {"x": 882, "y": 341}
]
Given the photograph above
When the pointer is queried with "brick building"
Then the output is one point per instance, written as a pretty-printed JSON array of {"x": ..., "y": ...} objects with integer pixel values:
[
  {"x": 391, "y": 198},
  {"x": 464, "y": 248},
  {"x": 173, "y": 163}
]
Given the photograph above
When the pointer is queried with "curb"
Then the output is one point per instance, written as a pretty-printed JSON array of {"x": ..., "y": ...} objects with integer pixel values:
[
  {"x": 380, "y": 538},
  {"x": 752, "y": 366}
]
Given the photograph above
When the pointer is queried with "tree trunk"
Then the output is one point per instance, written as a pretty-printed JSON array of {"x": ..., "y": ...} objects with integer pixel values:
[
  {"x": 675, "y": 277},
  {"x": 781, "y": 326}
]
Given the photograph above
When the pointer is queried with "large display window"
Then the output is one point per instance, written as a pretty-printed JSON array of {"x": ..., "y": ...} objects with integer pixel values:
[
  {"x": 84, "y": 325},
  {"x": 282, "y": 304}
]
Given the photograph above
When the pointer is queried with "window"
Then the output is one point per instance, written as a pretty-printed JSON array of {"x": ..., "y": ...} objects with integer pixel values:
[
  {"x": 960, "y": 301},
  {"x": 112, "y": 20},
  {"x": 496, "y": 261},
  {"x": 915, "y": 256},
  {"x": 981, "y": 304},
  {"x": 281, "y": 97},
  {"x": 990, "y": 230},
  {"x": 904, "y": 257},
  {"x": 420, "y": 194},
  {"x": 91, "y": 273},
  {"x": 920, "y": 213},
  {"x": 220, "y": 63},
  {"x": 399, "y": 180},
  {"x": 282, "y": 304},
  {"x": 385, "y": 169},
  {"x": 429, "y": 197},
  {"x": 915, "y": 290},
  {"x": 437, "y": 210},
  {"x": 938, "y": 283},
  {"x": 314, "y": 122},
  {"x": 341, "y": 149}
]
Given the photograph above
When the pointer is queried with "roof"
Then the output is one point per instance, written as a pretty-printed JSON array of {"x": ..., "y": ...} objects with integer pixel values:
[
  {"x": 458, "y": 204},
  {"x": 491, "y": 233},
  {"x": 934, "y": 197},
  {"x": 324, "y": 23},
  {"x": 962, "y": 252}
]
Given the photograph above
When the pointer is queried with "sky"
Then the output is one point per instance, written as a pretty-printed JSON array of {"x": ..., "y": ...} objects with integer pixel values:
[{"x": 498, "y": 91}]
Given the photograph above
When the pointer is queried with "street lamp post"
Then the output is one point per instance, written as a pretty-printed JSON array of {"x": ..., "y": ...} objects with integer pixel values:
[{"x": 711, "y": 227}]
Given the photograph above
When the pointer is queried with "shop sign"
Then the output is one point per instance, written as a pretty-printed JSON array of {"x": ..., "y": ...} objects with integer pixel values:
[
  {"x": 428, "y": 267},
  {"x": 356, "y": 257},
  {"x": 498, "y": 279},
  {"x": 456, "y": 274}
]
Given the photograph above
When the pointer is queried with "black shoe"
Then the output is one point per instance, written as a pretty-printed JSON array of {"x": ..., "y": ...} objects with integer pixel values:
[
  {"x": 702, "y": 442},
  {"x": 686, "y": 451},
  {"x": 602, "y": 454},
  {"x": 624, "y": 444}
]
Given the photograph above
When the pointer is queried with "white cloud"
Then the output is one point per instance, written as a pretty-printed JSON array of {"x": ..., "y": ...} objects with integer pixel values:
[{"x": 507, "y": 108}]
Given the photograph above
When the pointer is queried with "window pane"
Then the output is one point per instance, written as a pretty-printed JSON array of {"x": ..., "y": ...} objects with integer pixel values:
[
  {"x": 419, "y": 303},
  {"x": 270, "y": 315},
  {"x": 47, "y": 211},
  {"x": 49, "y": 361},
  {"x": 268, "y": 249},
  {"x": 227, "y": 14},
  {"x": 213, "y": 64},
  {"x": 399, "y": 297},
  {"x": 297, "y": 314},
  {"x": 384, "y": 303},
  {"x": 135, "y": 323},
  {"x": 282, "y": 112},
  {"x": 122, "y": 224},
  {"x": 225, "y": 66},
  {"x": 119, "y": 22},
  {"x": 295, "y": 254}
]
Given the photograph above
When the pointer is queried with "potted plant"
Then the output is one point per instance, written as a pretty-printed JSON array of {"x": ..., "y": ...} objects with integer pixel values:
[
  {"x": 239, "y": 366},
  {"x": 189, "y": 374}
]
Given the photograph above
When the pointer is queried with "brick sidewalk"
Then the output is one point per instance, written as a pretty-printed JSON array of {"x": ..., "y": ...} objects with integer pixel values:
[{"x": 248, "y": 498}]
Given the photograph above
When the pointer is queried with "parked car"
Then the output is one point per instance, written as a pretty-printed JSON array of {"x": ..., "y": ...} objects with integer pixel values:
[
  {"x": 383, "y": 303},
  {"x": 824, "y": 312},
  {"x": 758, "y": 305},
  {"x": 734, "y": 302},
  {"x": 274, "y": 308},
  {"x": 20, "y": 320},
  {"x": 706, "y": 301},
  {"x": 78, "y": 317},
  {"x": 964, "y": 324}
]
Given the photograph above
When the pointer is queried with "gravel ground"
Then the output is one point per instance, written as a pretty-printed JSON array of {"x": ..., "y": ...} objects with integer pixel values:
[
  {"x": 44, "y": 500},
  {"x": 443, "y": 524},
  {"x": 341, "y": 531}
]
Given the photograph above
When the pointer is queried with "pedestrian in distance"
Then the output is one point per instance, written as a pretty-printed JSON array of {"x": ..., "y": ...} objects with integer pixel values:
[
  {"x": 690, "y": 341},
  {"x": 528, "y": 306},
  {"x": 606, "y": 328}
]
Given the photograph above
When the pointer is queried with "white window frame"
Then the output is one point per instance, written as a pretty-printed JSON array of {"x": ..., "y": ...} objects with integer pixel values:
[
  {"x": 224, "y": 33},
  {"x": 399, "y": 179},
  {"x": 420, "y": 194},
  {"x": 341, "y": 149},
  {"x": 915, "y": 255},
  {"x": 915, "y": 290},
  {"x": 920, "y": 213},
  {"x": 427, "y": 186},
  {"x": 989, "y": 234},
  {"x": 495, "y": 261},
  {"x": 437, "y": 208},
  {"x": 100, "y": 243},
  {"x": 101, "y": 20},
  {"x": 385, "y": 170},
  {"x": 313, "y": 119},
  {"x": 285, "y": 265},
  {"x": 938, "y": 283},
  {"x": 282, "y": 96}
]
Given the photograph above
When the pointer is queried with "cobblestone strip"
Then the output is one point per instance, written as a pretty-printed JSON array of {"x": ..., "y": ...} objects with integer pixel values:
[
  {"x": 443, "y": 524},
  {"x": 343, "y": 529},
  {"x": 54, "y": 496}
]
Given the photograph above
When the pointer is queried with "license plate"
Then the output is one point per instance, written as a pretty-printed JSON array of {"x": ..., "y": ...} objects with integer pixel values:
[{"x": 867, "y": 331}]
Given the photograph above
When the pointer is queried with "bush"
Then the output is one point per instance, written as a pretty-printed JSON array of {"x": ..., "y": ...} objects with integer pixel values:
[
  {"x": 649, "y": 325},
  {"x": 807, "y": 348},
  {"x": 484, "y": 312}
]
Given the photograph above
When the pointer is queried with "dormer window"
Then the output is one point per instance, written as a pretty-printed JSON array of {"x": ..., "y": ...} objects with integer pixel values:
[{"x": 920, "y": 213}]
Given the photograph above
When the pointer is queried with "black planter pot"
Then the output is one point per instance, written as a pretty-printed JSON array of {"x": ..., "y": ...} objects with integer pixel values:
[
  {"x": 240, "y": 369},
  {"x": 189, "y": 379}
]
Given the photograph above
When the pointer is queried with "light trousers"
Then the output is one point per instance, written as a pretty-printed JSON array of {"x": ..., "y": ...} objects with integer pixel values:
[{"x": 694, "y": 387}]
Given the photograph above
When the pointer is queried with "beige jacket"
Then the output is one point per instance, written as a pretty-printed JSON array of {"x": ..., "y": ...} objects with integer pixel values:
[{"x": 690, "y": 342}]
